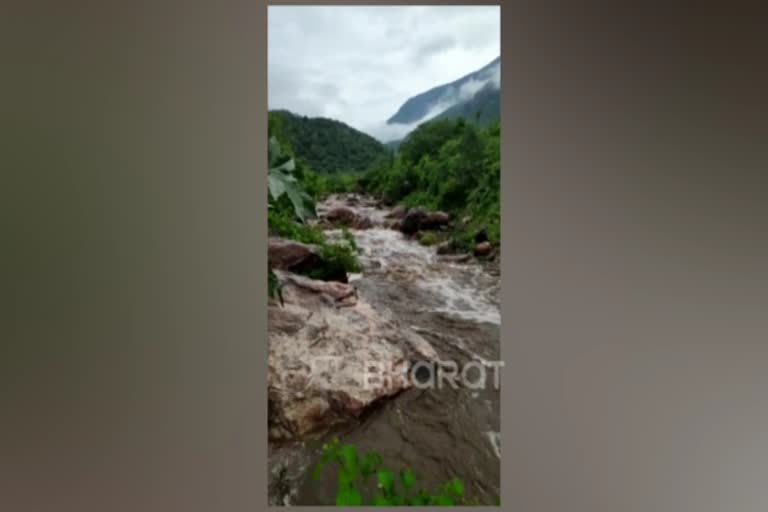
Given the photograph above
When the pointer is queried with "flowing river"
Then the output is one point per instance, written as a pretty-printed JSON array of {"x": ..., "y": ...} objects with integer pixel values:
[{"x": 444, "y": 430}]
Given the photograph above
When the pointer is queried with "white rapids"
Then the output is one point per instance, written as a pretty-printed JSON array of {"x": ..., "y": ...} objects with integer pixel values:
[{"x": 465, "y": 291}]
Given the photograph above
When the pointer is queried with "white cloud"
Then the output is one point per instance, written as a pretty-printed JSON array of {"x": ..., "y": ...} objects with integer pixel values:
[{"x": 358, "y": 64}]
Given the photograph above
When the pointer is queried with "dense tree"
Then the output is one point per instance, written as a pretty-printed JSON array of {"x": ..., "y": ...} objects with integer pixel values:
[
  {"x": 447, "y": 164},
  {"x": 325, "y": 145}
]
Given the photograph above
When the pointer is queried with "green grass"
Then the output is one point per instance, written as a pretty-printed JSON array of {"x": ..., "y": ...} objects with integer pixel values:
[{"x": 428, "y": 238}]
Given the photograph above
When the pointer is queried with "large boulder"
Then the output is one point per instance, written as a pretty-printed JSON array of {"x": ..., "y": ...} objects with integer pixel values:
[
  {"x": 412, "y": 221},
  {"x": 435, "y": 220},
  {"x": 292, "y": 255},
  {"x": 343, "y": 216},
  {"x": 418, "y": 219},
  {"x": 331, "y": 356}
]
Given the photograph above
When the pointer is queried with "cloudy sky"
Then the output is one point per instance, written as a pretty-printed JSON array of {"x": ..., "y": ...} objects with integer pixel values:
[{"x": 358, "y": 64}]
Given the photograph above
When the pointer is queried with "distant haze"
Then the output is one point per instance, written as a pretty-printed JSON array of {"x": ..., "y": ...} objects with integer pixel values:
[{"x": 359, "y": 64}]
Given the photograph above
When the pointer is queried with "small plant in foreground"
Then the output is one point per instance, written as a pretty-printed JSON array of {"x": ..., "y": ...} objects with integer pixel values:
[{"x": 354, "y": 473}]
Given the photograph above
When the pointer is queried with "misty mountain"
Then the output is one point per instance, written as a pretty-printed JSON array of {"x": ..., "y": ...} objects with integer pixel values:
[
  {"x": 465, "y": 97},
  {"x": 482, "y": 109},
  {"x": 325, "y": 145}
]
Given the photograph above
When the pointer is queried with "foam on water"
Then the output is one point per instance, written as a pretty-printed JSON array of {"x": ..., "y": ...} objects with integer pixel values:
[{"x": 460, "y": 288}]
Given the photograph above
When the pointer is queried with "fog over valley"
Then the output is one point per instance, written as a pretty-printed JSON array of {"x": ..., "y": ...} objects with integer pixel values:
[{"x": 378, "y": 59}]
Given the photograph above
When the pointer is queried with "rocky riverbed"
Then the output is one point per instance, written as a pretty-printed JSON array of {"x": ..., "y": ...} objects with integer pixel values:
[{"x": 338, "y": 354}]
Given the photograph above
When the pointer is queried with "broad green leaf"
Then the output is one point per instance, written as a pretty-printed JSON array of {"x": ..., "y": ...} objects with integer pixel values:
[
  {"x": 277, "y": 186},
  {"x": 380, "y": 500},
  {"x": 273, "y": 150},
  {"x": 422, "y": 498},
  {"x": 346, "y": 479},
  {"x": 386, "y": 481},
  {"x": 299, "y": 202},
  {"x": 349, "y": 460},
  {"x": 287, "y": 166},
  {"x": 371, "y": 463},
  {"x": 455, "y": 487},
  {"x": 408, "y": 478},
  {"x": 443, "y": 500},
  {"x": 349, "y": 497}
]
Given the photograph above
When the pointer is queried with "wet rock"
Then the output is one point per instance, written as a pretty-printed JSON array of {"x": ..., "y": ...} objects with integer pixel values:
[
  {"x": 322, "y": 345},
  {"x": 483, "y": 249},
  {"x": 413, "y": 220},
  {"x": 362, "y": 222},
  {"x": 398, "y": 212},
  {"x": 395, "y": 224},
  {"x": 336, "y": 291},
  {"x": 344, "y": 216},
  {"x": 292, "y": 255},
  {"x": 435, "y": 220},
  {"x": 456, "y": 258},
  {"x": 418, "y": 219},
  {"x": 446, "y": 247}
]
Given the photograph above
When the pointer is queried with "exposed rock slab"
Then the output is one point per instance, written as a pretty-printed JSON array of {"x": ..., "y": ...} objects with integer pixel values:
[{"x": 331, "y": 356}]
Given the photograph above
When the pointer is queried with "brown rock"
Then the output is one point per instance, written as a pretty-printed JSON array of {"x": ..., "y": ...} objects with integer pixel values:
[
  {"x": 395, "y": 224},
  {"x": 412, "y": 221},
  {"x": 292, "y": 255},
  {"x": 483, "y": 248},
  {"x": 435, "y": 220},
  {"x": 398, "y": 212},
  {"x": 455, "y": 258},
  {"x": 342, "y": 215}
]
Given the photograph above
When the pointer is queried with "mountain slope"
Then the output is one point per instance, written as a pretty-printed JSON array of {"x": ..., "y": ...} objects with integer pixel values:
[
  {"x": 483, "y": 108},
  {"x": 448, "y": 95},
  {"x": 325, "y": 145}
]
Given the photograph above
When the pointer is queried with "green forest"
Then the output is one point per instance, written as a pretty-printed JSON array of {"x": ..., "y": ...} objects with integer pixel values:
[
  {"x": 450, "y": 165},
  {"x": 325, "y": 145}
]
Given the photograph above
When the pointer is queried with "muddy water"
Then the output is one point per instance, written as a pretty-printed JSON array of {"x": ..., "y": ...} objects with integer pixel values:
[{"x": 441, "y": 431}]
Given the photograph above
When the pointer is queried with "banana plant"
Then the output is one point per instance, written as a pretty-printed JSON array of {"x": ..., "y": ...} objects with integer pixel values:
[{"x": 282, "y": 181}]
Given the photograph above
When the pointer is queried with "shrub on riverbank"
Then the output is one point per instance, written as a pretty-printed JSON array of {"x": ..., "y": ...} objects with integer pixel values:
[
  {"x": 289, "y": 206},
  {"x": 447, "y": 165},
  {"x": 428, "y": 238},
  {"x": 355, "y": 472}
]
